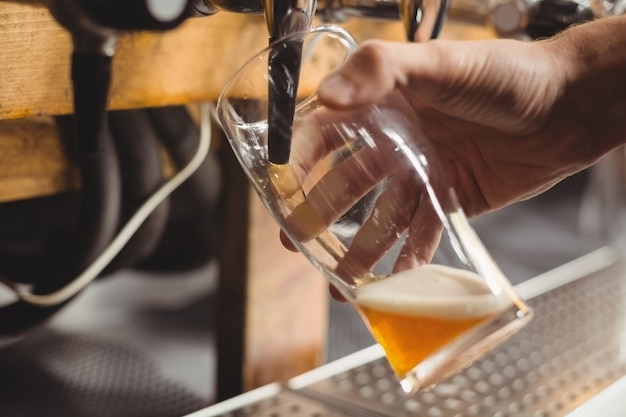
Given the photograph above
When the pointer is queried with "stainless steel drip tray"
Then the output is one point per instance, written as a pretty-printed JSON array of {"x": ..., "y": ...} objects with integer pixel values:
[
  {"x": 611, "y": 402},
  {"x": 569, "y": 361}
]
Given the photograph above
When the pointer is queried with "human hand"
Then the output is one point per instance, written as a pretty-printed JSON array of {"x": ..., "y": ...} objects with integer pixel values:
[
  {"x": 505, "y": 116},
  {"x": 492, "y": 109}
]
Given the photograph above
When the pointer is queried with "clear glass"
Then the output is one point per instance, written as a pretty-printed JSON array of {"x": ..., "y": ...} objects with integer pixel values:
[{"x": 364, "y": 196}]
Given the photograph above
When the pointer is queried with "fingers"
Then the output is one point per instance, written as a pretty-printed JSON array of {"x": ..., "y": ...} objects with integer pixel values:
[
  {"x": 423, "y": 237},
  {"x": 334, "y": 194},
  {"x": 389, "y": 219},
  {"x": 286, "y": 242},
  {"x": 363, "y": 79},
  {"x": 317, "y": 136},
  {"x": 464, "y": 79},
  {"x": 309, "y": 144},
  {"x": 334, "y": 292},
  {"x": 375, "y": 70}
]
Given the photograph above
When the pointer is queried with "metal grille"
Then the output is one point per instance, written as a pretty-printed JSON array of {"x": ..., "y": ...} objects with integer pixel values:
[
  {"x": 575, "y": 347},
  {"x": 73, "y": 375},
  {"x": 289, "y": 403}
]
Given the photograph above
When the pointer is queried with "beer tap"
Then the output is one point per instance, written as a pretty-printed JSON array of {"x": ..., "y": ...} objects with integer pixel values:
[
  {"x": 422, "y": 20},
  {"x": 529, "y": 20},
  {"x": 94, "y": 26},
  {"x": 282, "y": 18}
]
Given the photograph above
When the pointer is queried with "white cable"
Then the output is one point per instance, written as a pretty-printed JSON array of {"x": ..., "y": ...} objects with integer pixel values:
[{"x": 129, "y": 229}]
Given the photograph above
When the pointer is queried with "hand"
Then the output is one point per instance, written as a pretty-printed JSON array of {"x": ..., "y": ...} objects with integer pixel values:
[
  {"x": 509, "y": 119},
  {"x": 491, "y": 108}
]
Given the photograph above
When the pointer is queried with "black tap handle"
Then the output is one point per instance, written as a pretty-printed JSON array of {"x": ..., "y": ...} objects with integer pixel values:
[
  {"x": 138, "y": 14},
  {"x": 549, "y": 17}
]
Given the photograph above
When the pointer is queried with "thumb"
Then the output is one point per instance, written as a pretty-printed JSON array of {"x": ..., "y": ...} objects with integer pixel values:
[{"x": 375, "y": 69}]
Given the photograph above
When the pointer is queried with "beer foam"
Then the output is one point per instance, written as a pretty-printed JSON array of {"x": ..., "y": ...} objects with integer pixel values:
[{"x": 432, "y": 290}]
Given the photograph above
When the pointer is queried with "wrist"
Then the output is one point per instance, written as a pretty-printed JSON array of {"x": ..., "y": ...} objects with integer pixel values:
[{"x": 592, "y": 58}]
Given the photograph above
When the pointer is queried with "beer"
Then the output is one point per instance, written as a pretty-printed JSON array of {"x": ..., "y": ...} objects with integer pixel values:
[
  {"x": 416, "y": 312},
  {"x": 284, "y": 180}
]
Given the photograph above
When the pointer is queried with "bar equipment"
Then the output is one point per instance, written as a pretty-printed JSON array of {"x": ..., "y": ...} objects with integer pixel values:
[
  {"x": 530, "y": 20},
  {"x": 365, "y": 198},
  {"x": 562, "y": 364},
  {"x": 283, "y": 17},
  {"x": 420, "y": 20},
  {"x": 94, "y": 26}
]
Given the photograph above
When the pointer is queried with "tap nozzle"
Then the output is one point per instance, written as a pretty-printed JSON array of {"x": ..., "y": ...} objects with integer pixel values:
[
  {"x": 284, "y": 17},
  {"x": 288, "y": 16},
  {"x": 422, "y": 19}
]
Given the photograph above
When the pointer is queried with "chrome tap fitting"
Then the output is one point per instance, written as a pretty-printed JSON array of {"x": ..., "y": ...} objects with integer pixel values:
[
  {"x": 534, "y": 19},
  {"x": 422, "y": 19},
  {"x": 288, "y": 16},
  {"x": 93, "y": 24}
]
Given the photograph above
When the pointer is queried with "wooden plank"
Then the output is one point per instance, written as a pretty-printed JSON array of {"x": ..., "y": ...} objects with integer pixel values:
[
  {"x": 188, "y": 64},
  {"x": 235, "y": 274},
  {"x": 276, "y": 297},
  {"x": 33, "y": 161},
  {"x": 288, "y": 326}
]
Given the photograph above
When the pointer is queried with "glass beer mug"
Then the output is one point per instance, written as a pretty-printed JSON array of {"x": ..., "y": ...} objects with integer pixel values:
[{"x": 364, "y": 196}]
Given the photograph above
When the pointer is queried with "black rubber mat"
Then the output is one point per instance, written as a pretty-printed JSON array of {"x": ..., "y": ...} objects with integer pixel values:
[{"x": 53, "y": 374}]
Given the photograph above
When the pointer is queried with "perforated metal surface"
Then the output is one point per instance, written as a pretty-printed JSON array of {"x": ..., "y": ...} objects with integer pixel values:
[
  {"x": 575, "y": 347},
  {"x": 75, "y": 375},
  {"x": 289, "y": 403}
]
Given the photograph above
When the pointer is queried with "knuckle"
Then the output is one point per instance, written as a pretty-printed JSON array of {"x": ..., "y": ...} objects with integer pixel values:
[{"x": 373, "y": 55}]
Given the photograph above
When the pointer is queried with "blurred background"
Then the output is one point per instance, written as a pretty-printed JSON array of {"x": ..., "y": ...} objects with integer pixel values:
[
  {"x": 144, "y": 343},
  {"x": 155, "y": 334}
]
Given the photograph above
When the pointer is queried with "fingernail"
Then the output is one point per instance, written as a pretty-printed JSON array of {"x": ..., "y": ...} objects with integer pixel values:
[
  {"x": 338, "y": 89},
  {"x": 305, "y": 223},
  {"x": 284, "y": 180}
]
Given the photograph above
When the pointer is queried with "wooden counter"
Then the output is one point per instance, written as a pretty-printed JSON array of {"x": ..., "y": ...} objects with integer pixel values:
[{"x": 188, "y": 64}]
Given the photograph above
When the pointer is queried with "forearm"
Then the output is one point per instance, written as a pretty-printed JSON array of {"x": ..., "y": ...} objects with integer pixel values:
[{"x": 593, "y": 57}]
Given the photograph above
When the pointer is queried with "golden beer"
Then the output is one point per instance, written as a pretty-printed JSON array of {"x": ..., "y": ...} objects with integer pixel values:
[{"x": 415, "y": 313}]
